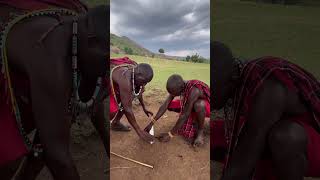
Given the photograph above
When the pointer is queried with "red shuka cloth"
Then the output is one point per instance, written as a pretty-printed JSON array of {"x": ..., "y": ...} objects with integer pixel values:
[
  {"x": 217, "y": 134},
  {"x": 264, "y": 168},
  {"x": 294, "y": 78},
  {"x": 189, "y": 129},
  {"x": 113, "y": 106},
  {"x": 31, "y": 5},
  {"x": 11, "y": 143}
]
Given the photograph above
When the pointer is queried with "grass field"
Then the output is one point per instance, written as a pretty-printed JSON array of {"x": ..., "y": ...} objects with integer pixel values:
[
  {"x": 164, "y": 68},
  {"x": 93, "y": 3},
  {"x": 256, "y": 29}
]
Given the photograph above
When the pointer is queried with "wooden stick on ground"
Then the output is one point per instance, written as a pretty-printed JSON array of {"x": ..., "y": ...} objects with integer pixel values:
[{"x": 143, "y": 164}]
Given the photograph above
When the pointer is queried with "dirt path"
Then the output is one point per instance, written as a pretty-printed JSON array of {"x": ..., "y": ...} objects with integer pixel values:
[
  {"x": 88, "y": 154},
  {"x": 217, "y": 168},
  {"x": 172, "y": 160}
]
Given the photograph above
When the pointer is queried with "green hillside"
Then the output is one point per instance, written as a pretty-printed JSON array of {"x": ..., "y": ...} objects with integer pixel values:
[{"x": 121, "y": 43}]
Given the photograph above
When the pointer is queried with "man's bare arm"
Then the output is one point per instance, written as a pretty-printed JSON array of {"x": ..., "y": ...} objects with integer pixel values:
[
  {"x": 143, "y": 105},
  {"x": 267, "y": 109},
  {"x": 126, "y": 101},
  {"x": 194, "y": 96},
  {"x": 163, "y": 108}
]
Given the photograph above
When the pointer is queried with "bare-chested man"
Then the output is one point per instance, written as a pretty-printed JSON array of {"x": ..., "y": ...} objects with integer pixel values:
[
  {"x": 42, "y": 57},
  {"x": 127, "y": 83},
  {"x": 275, "y": 132},
  {"x": 193, "y": 107}
]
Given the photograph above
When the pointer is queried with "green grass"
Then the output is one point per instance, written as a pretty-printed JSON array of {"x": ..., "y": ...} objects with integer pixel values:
[
  {"x": 256, "y": 29},
  {"x": 93, "y": 3},
  {"x": 164, "y": 68}
]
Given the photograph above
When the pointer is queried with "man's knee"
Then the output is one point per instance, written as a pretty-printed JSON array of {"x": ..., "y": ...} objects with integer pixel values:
[
  {"x": 287, "y": 136},
  {"x": 199, "y": 106}
]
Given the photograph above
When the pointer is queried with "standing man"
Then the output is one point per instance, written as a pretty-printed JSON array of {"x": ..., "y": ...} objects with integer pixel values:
[{"x": 127, "y": 83}]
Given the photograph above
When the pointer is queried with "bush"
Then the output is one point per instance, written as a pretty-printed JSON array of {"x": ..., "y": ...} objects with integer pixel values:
[
  {"x": 188, "y": 58},
  {"x": 161, "y": 50},
  {"x": 196, "y": 58},
  {"x": 128, "y": 50}
]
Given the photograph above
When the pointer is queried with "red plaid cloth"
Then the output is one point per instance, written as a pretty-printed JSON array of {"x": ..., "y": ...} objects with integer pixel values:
[
  {"x": 189, "y": 128},
  {"x": 292, "y": 76}
]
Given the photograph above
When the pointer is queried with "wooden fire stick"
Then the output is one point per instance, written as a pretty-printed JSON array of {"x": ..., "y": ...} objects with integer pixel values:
[{"x": 143, "y": 164}]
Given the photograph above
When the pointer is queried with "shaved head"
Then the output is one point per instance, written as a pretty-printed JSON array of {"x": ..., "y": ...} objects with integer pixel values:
[
  {"x": 175, "y": 84},
  {"x": 223, "y": 68},
  {"x": 223, "y": 60},
  {"x": 143, "y": 73},
  {"x": 98, "y": 18},
  {"x": 94, "y": 42}
]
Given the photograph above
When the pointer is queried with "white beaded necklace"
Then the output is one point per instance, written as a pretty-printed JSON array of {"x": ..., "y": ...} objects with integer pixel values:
[{"x": 133, "y": 87}]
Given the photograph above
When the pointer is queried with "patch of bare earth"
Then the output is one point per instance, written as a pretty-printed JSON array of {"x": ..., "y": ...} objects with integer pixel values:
[
  {"x": 175, "y": 159},
  {"x": 88, "y": 153}
]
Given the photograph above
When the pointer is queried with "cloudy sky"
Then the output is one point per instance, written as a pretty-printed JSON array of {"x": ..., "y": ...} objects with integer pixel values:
[{"x": 180, "y": 27}]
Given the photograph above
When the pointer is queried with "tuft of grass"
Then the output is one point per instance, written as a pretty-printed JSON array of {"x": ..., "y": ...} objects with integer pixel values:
[{"x": 256, "y": 29}]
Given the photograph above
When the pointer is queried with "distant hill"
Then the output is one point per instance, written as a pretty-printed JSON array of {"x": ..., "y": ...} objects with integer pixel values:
[{"x": 119, "y": 44}]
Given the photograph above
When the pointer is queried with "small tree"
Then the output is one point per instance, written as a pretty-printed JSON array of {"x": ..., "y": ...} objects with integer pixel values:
[
  {"x": 195, "y": 58},
  {"x": 161, "y": 50},
  {"x": 188, "y": 58},
  {"x": 202, "y": 60}
]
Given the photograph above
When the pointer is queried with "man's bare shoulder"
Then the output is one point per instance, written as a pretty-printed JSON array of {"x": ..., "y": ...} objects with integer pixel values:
[
  {"x": 120, "y": 77},
  {"x": 274, "y": 92},
  {"x": 34, "y": 36}
]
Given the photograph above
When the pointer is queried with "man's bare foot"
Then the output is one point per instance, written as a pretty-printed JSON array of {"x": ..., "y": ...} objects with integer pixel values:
[
  {"x": 120, "y": 127},
  {"x": 199, "y": 141}
]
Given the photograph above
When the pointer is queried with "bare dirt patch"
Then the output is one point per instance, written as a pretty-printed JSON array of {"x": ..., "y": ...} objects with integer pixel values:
[
  {"x": 88, "y": 153},
  {"x": 172, "y": 160}
]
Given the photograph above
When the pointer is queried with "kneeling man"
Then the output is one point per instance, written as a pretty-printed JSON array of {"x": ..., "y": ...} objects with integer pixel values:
[
  {"x": 193, "y": 106},
  {"x": 275, "y": 128}
]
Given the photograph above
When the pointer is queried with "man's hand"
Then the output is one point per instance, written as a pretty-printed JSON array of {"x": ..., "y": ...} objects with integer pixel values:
[
  {"x": 148, "y": 128},
  {"x": 146, "y": 137},
  {"x": 164, "y": 137}
]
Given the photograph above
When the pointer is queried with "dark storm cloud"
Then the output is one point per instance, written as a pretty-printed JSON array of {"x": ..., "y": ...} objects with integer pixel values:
[{"x": 175, "y": 25}]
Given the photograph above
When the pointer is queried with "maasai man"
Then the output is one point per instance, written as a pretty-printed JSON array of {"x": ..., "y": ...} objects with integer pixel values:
[
  {"x": 127, "y": 83},
  {"x": 37, "y": 61},
  {"x": 193, "y": 106},
  {"x": 275, "y": 132}
]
